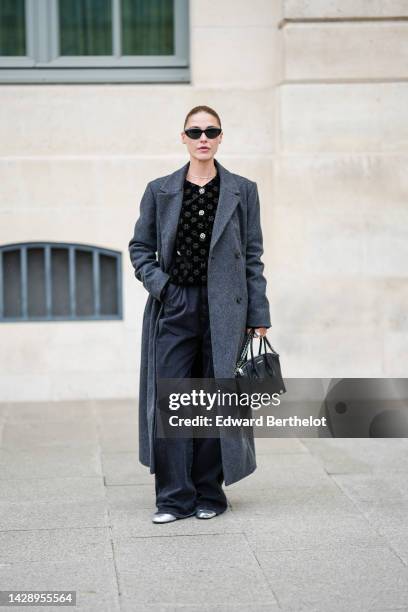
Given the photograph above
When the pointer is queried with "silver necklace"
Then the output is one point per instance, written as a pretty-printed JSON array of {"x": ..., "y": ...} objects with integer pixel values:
[{"x": 202, "y": 177}]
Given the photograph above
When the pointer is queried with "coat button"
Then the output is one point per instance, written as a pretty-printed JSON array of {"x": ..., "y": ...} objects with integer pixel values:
[
  {"x": 201, "y": 190},
  {"x": 239, "y": 299},
  {"x": 237, "y": 254}
]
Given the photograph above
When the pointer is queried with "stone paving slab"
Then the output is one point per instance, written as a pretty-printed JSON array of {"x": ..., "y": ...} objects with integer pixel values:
[
  {"x": 288, "y": 500},
  {"x": 119, "y": 436},
  {"x": 184, "y": 553},
  {"x": 342, "y": 455},
  {"x": 49, "y": 461},
  {"x": 51, "y": 489},
  {"x": 127, "y": 524},
  {"x": 128, "y": 605},
  {"x": 53, "y": 412},
  {"x": 390, "y": 519},
  {"x": 140, "y": 497},
  {"x": 39, "y": 545},
  {"x": 374, "y": 486},
  {"x": 198, "y": 569},
  {"x": 46, "y": 515},
  {"x": 295, "y": 470},
  {"x": 265, "y": 446},
  {"x": 196, "y": 586},
  {"x": 32, "y": 434},
  {"x": 341, "y": 578},
  {"x": 269, "y": 534},
  {"x": 4, "y": 409},
  {"x": 94, "y": 580},
  {"x": 124, "y": 469},
  {"x": 115, "y": 411},
  {"x": 315, "y": 516}
]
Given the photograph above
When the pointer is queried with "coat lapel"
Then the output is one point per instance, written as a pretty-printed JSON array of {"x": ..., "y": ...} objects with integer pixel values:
[{"x": 170, "y": 200}]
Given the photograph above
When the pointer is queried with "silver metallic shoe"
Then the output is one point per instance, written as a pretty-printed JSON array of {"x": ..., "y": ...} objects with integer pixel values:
[
  {"x": 201, "y": 513},
  {"x": 163, "y": 517}
]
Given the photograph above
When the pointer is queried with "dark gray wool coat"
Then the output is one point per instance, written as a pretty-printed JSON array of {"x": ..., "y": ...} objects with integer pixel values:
[{"x": 236, "y": 293}]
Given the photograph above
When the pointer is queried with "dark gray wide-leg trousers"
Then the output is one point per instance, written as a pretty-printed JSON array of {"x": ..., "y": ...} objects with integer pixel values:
[{"x": 188, "y": 472}]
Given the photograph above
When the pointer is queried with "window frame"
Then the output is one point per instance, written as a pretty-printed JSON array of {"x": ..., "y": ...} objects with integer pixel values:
[
  {"x": 43, "y": 64},
  {"x": 71, "y": 248}
]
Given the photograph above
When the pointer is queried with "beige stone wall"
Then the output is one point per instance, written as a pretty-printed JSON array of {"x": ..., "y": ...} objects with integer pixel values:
[
  {"x": 313, "y": 100},
  {"x": 341, "y": 188}
]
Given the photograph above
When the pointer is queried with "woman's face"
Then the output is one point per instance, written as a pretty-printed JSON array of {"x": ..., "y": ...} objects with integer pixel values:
[{"x": 204, "y": 148}]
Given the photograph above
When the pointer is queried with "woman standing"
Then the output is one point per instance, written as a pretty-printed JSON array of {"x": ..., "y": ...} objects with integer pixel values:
[{"x": 206, "y": 290}]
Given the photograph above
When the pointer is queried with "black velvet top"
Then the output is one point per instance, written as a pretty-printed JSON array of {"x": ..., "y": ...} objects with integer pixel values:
[{"x": 194, "y": 230}]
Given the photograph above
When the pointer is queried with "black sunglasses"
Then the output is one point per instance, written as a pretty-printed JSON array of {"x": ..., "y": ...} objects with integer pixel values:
[{"x": 195, "y": 133}]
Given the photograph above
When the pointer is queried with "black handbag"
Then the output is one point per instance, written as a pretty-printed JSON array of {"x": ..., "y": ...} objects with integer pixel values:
[{"x": 264, "y": 366}]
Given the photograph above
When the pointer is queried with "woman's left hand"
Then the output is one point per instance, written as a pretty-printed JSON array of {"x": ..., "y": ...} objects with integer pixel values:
[{"x": 259, "y": 331}]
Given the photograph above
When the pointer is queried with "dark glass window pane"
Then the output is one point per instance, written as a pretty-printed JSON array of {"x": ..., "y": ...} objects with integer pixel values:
[
  {"x": 35, "y": 283},
  {"x": 12, "y": 27},
  {"x": 84, "y": 284},
  {"x": 147, "y": 27},
  {"x": 108, "y": 285},
  {"x": 60, "y": 282},
  {"x": 12, "y": 283},
  {"x": 85, "y": 27}
]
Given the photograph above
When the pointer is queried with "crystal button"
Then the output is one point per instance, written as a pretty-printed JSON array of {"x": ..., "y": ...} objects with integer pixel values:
[
  {"x": 201, "y": 190},
  {"x": 202, "y": 235},
  {"x": 201, "y": 212}
]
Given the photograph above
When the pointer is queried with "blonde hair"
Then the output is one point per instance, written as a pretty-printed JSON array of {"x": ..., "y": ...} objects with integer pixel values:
[{"x": 198, "y": 109}]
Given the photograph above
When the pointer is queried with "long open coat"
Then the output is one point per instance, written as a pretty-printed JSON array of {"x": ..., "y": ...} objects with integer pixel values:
[{"x": 236, "y": 290}]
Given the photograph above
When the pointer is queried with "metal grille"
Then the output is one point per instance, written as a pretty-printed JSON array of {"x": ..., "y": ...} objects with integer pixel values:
[{"x": 55, "y": 281}]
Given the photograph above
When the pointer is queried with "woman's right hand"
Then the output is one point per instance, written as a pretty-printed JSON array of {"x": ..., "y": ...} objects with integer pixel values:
[{"x": 259, "y": 331}]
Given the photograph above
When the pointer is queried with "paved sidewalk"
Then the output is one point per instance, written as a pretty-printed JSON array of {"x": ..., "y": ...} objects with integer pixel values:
[{"x": 322, "y": 525}]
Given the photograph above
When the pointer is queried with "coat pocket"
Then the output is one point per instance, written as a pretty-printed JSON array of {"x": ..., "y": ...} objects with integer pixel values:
[{"x": 171, "y": 293}]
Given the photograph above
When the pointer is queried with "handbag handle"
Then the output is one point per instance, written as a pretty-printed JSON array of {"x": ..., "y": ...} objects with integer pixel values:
[
  {"x": 266, "y": 342},
  {"x": 243, "y": 356},
  {"x": 247, "y": 342},
  {"x": 253, "y": 358}
]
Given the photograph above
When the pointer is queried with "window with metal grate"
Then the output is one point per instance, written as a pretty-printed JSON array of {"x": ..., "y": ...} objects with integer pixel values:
[{"x": 58, "y": 281}]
